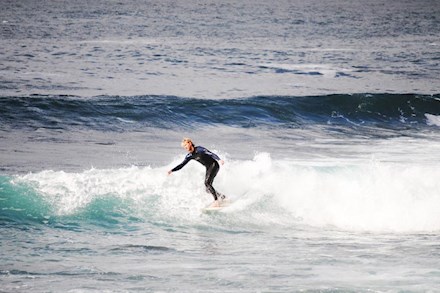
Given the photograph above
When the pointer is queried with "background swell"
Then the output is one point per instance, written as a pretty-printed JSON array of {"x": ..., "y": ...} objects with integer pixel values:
[{"x": 114, "y": 113}]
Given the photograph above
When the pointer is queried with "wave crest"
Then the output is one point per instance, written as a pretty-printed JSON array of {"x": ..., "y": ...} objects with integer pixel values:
[
  {"x": 265, "y": 192},
  {"x": 131, "y": 113}
]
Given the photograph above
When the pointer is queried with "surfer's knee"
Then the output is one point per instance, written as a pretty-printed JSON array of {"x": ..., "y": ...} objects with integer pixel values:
[
  {"x": 207, "y": 182},
  {"x": 209, "y": 188}
]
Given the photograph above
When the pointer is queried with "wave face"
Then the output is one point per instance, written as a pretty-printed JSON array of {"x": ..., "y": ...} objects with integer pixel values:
[
  {"x": 368, "y": 197},
  {"x": 393, "y": 111}
]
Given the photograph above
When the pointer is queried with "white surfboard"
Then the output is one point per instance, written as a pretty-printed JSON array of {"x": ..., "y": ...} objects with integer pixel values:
[{"x": 222, "y": 205}]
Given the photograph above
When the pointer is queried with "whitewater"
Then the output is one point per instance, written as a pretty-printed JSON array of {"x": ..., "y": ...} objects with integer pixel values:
[
  {"x": 375, "y": 196},
  {"x": 327, "y": 115}
]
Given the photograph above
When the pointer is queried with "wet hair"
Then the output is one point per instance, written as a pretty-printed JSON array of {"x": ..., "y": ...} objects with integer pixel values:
[{"x": 187, "y": 140}]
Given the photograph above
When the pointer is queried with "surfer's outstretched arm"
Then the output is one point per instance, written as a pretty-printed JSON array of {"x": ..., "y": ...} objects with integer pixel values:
[{"x": 181, "y": 165}]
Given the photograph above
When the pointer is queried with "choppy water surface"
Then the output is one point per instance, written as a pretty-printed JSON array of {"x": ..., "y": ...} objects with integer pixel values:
[
  {"x": 327, "y": 115},
  {"x": 215, "y": 49}
]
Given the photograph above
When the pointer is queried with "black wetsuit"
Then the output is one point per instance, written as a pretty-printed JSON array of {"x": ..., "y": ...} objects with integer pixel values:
[{"x": 207, "y": 159}]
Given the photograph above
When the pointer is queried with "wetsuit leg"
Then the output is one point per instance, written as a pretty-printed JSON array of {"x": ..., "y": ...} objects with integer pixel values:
[{"x": 211, "y": 172}]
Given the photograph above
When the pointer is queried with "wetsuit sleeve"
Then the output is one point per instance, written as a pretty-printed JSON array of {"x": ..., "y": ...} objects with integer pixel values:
[
  {"x": 181, "y": 165},
  {"x": 211, "y": 154}
]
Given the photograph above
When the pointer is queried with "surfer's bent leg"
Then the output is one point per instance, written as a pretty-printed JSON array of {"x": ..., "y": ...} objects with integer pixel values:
[{"x": 211, "y": 172}]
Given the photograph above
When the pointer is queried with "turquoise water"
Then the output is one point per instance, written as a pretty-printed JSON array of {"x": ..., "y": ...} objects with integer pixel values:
[
  {"x": 326, "y": 114},
  {"x": 135, "y": 229}
]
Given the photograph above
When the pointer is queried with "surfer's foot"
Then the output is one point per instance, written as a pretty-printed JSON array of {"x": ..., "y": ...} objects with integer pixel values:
[{"x": 215, "y": 204}]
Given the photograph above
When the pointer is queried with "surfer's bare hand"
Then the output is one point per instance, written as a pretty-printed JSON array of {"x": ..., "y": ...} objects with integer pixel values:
[
  {"x": 169, "y": 172},
  {"x": 222, "y": 162}
]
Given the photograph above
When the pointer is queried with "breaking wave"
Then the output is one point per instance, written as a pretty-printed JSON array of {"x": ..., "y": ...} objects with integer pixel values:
[{"x": 265, "y": 192}]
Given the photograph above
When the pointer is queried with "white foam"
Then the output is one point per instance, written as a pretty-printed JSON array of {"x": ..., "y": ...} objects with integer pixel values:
[
  {"x": 367, "y": 197},
  {"x": 432, "y": 119},
  {"x": 125, "y": 120},
  {"x": 327, "y": 70},
  {"x": 69, "y": 192},
  {"x": 363, "y": 197}
]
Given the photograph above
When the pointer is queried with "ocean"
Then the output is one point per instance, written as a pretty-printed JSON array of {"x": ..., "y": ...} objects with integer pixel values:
[{"x": 326, "y": 113}]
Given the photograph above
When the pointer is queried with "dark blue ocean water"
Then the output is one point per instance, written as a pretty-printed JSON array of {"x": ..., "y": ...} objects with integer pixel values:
[{"x": 327, "y": 114}]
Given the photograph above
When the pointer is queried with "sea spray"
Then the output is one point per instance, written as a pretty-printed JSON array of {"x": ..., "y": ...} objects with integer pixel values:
[
  {"x": 328, "y": 111},
  {"x": 372, "y": 196}
]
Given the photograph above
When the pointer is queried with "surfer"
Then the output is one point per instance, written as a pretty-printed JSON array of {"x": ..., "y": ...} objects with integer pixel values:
[{"x": 207, "y": 159}]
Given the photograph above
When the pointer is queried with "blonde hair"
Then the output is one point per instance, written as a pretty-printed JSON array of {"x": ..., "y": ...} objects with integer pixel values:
[{"x": 186, "y": 140}]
